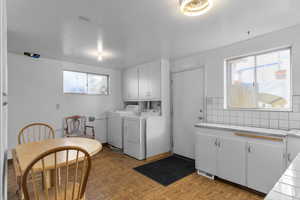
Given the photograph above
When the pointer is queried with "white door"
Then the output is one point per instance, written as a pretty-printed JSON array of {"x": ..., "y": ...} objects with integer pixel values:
[
  {"x": 265, "y": 165},
  {"x": 188, "y": 103},
  {"x": 3, "y": 101},
  {"x": 206, "y": 153},
  {"x": 231, "y": 160}
]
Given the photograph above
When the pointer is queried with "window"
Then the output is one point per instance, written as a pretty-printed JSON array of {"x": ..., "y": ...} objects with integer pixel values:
[
  {"x": 85, "y": 83},
  {"x": 260, "y": 81}
]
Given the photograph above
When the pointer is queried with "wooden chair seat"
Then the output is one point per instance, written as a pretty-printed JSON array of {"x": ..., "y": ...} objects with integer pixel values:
[{"x": 61, "y": 193}]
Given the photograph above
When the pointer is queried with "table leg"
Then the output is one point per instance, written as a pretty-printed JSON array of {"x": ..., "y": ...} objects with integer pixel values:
[{"x": 51, "y": 178}]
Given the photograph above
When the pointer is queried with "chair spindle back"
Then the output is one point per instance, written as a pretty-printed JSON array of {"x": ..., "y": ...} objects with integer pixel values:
[
  {"x": 68, "y": 167},
  {"x": 35, "y": 132}
]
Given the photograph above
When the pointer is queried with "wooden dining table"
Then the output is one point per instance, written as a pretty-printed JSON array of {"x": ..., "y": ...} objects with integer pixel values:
[{"x": 24, "y": 154}]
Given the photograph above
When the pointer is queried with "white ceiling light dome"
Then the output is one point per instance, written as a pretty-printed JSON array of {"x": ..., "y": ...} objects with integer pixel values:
[{"x": 195, "y": 7}]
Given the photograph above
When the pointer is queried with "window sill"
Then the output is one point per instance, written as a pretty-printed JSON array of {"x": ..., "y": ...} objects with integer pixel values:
[{"x": 253, "y": 109}]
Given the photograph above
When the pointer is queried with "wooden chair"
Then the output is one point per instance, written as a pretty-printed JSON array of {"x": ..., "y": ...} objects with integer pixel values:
[
  {"x": 35, "y": 132},
  {"x": 75, "y": 126},
  {"x": 72, "y": 182}
]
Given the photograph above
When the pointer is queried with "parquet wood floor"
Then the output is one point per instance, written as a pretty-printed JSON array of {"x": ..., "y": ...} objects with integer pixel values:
[{"x": 112, "y": 178}]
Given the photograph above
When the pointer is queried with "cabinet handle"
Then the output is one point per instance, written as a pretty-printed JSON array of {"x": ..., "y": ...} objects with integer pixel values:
[
  {"x": 219, "y": 144},
  {"x": 289, "y": 157},
  {"x": 249, "y": 149},
  {"x": 216, "y": 142}
]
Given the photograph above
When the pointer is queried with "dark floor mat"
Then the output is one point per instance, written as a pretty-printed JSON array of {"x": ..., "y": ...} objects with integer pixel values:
[{"x": 168, "y": 170}]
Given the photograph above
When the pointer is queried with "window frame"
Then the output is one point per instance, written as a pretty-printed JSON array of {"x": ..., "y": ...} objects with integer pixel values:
[
  {"x": 86, "y": 93},
  {"x": 227, "y": 79}
]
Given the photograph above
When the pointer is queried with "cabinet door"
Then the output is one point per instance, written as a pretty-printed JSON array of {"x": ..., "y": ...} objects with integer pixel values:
[
  {"x": 131, "y": 84},
  {"x": 144, "y": 84},
  {"x": 155, "y": 81},
  {"x": 265, "y": 165},
  {"x": 206, "y": 153},
  {"x": 293, "y": 148},
  {"x": 150, "y": 81},
  {"x": 231, "y": 160}
]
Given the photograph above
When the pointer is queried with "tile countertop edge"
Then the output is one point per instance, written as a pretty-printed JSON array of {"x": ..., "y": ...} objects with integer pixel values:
[
  {"x": 283, "y": 187},
  {"x": 261, "y": 131}
]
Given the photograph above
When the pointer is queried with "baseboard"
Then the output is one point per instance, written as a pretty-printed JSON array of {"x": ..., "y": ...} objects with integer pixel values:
[
  {"x": 104, "y": 144},
  {"x": 159, "y": 156}
]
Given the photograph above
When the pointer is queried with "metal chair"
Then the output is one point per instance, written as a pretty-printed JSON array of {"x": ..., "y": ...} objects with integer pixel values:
[
  {"x": 75, "y": 165},
  {"x": 35, "y": 132},
  {"x": 75, "y": 126}
]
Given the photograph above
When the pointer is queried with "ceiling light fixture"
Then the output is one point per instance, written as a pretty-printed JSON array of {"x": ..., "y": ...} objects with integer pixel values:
[
  {"x": 100, "y": 56},
  {"x": 195, "y": 7}
]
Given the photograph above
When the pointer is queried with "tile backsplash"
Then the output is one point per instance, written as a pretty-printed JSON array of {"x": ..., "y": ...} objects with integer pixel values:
[{"x": 215, "y": 113}]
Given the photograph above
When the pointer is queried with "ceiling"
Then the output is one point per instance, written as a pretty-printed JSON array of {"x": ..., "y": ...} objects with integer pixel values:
[{"x": 135, "y": 31}]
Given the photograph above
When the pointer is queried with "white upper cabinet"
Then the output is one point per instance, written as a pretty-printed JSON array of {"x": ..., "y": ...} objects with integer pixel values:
[
  {"x": 144, "y": 83},
  {"x": 155, "y": 80},
  {"x": 148, "y": 86},
  {"x": 131, "y": 84}
]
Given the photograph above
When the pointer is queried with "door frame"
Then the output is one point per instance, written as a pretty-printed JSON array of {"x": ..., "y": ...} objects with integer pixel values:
[
  {"x": 3, "y": 89},
  {"x": 172, "y": 100}
]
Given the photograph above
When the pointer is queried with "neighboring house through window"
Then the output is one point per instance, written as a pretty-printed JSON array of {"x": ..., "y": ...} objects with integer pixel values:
[{"x": 259, "y": 81}]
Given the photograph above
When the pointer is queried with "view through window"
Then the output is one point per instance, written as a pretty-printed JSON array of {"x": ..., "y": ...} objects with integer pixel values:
[
  {"x": 85, "y": 83},
  {"x": 260, "y": 81}
]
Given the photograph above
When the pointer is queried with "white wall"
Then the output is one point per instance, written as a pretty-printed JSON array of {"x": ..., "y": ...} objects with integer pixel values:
[
  {"x": 36, "y": 85},
  {"x": 213, "y": 60}
]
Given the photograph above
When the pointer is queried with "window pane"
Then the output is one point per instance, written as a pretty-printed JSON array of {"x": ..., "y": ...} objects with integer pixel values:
[
  {"x": 241, "y": 91},
  {"x": 97, "y": 84},
  {"x": 273, "y": 79},
  {"x": 75, "y": 82}
]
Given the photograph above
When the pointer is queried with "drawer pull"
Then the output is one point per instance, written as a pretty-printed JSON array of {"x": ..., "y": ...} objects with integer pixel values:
[
  {"x": 259, "y": 136},
  {"x": 249, "y": 149}
]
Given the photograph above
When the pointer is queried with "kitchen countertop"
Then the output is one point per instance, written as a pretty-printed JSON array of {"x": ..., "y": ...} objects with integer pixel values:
[
  {"x": 288, "y": 186},
  {"x": 264, "y": 131}
]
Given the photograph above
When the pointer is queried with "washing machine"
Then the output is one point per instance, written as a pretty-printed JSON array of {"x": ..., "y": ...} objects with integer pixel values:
[{"x": 115, "y": 125}]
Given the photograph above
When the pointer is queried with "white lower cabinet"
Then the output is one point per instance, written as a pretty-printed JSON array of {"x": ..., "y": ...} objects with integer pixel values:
[
  {"x": 255, "y": 163},
  {"x": 293, "y": 148},
  {"x": 230, "y": 160},
  {"x": 206, "y": 153},
  {"x": 265, "y": 165},
  {"x": 221, "y": 157}
]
